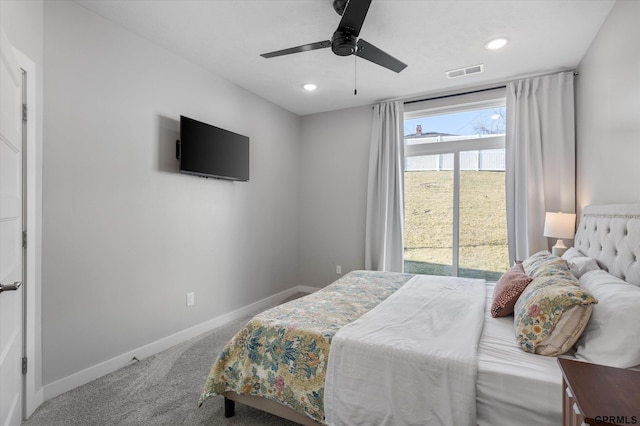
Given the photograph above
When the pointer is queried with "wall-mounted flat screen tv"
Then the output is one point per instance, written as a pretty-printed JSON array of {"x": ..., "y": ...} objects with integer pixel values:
[{"x": 209, "y": 151}]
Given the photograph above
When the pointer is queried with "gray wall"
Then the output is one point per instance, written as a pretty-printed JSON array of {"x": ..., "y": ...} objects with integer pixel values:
[
  {"x": 608, "y": 111},
  {"x": 334, "y": 167},
  {"x": 125, "y": 235}
]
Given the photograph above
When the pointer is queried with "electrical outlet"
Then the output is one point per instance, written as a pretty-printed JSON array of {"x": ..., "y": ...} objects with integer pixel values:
[
  {"x": 191, "y": 299},
  {"x": 338, "y": 269}
]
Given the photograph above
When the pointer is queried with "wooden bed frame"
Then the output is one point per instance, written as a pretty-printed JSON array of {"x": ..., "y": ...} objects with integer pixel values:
[{"x": 265, "y": 405}]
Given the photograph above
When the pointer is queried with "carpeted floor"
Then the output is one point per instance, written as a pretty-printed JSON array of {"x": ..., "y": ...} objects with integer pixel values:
[{"x": 160, "y": 390}]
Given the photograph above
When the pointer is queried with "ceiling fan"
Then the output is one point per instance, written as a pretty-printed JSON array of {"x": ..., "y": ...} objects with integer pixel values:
[{"x": 344, "y": 41}]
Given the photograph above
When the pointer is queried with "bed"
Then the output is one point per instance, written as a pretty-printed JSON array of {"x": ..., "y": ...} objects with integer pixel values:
[{"x": 371, "y": 349}]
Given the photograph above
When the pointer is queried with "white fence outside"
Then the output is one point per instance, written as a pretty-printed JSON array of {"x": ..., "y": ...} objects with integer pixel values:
[
  {"x": 478, "y": 160},
  {"x": 481, "y": 160}
]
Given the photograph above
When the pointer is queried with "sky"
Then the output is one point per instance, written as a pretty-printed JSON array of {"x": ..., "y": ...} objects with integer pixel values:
[{"x": 460, "y": 123}]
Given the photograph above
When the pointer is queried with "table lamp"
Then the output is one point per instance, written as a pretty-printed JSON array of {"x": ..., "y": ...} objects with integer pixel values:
[{"x": 559, "y": 225}]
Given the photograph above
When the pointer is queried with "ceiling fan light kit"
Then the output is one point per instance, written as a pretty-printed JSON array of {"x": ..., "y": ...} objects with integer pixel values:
[{"x": 345, "y": 41}]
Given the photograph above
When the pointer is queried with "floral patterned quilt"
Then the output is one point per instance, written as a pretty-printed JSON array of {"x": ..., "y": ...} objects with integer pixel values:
[{"x": 282, "y": 353}]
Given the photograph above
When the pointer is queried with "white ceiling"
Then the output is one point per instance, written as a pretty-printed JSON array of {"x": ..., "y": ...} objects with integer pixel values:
[{"x": 431, "y": 36}]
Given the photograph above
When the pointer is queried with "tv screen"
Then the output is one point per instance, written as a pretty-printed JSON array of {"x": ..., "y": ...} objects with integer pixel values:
[{"x": 206, "y": 150}]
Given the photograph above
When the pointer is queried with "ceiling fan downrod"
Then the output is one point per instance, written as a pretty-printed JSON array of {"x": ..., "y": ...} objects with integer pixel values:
[{"x": 339, "y": 5}]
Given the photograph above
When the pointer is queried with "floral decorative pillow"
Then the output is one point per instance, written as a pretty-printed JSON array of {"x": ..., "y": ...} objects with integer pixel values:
[
  {"x": 544, "y": 263},
  {"x": 551, "y": 314},
  {"x": 535, "y": 261},
  {"x": 507, "y": 291}
]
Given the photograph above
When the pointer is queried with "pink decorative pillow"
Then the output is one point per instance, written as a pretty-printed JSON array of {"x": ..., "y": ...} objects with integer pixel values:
[{"x": 508, "y": 290}]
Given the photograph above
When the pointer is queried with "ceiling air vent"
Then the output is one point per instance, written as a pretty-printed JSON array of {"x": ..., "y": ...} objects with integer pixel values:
[{"x": 474, "y": 69}]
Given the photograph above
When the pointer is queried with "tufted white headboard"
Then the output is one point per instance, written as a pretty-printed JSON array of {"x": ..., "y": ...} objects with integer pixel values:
[{"x": 611, "y": 235}]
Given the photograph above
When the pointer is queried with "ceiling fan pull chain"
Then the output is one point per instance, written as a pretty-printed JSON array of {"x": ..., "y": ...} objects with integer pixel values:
[{"x": 355, "y": 76}]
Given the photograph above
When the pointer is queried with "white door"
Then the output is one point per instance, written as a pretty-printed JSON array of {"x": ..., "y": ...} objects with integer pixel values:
[{"x": 10, "y": 236}]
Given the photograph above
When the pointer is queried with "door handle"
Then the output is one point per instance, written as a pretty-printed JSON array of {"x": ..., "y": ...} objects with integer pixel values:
[{"x": 10, "y": 287}]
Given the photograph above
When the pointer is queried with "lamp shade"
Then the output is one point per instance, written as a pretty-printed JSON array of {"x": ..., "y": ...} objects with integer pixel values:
[{"x": 559, "y": 225}]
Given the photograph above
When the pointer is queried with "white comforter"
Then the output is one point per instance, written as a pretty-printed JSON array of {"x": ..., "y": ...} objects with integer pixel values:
[{"x": 412, "y": 360}]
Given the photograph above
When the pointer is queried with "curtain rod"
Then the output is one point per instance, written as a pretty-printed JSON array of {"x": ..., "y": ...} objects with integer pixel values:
[
  {"x": 502, "y": 86},
  {"x": 455, "y": 94}
]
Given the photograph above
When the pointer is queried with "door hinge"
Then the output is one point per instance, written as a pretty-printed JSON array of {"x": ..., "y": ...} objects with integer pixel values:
[
  {"x": 24, "y": 239},
  {"x": 24, "y": 112},
  {"x": 24, "y": 365}
]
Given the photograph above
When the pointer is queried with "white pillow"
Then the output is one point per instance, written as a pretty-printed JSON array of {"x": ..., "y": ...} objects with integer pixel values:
[
  {"x": 612, "y": 336},
  {"x": 571, "y": 252},
  {"x": 580, "y": 265}
]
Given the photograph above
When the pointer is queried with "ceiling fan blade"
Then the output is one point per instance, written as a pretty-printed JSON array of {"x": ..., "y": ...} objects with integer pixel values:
[
  {"x": 298, "y": 49},
  {"x": 371, "y": 53},
  {"x": 353, "y": 16}
]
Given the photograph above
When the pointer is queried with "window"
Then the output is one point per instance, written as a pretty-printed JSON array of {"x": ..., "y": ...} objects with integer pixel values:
[{"x": 455, "y": 209}]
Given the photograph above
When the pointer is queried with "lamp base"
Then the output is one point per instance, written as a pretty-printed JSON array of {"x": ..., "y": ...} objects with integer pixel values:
[{"x": 559, "y": 248}]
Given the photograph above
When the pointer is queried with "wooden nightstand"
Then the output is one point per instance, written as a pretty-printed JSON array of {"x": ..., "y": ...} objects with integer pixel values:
[{"x": 599, "y": 395}]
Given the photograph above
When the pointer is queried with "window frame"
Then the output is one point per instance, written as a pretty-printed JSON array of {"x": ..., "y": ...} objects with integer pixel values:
[{"x": 448, "y": 105}]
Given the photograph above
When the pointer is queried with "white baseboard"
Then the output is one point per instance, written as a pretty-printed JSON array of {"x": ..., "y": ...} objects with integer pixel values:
[
  {"x": 307, "y": 289},
  {"x": 80, "y": 378},
  {"x": 33, "y": 401}
]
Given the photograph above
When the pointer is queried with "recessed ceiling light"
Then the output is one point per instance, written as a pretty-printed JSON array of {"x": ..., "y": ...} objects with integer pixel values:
[
  {"x": 496, "y": 43},
  {"x": 309, "y": 87}
]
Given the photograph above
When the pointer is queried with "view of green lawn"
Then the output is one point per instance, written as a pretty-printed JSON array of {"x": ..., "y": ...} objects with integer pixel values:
[{"x": 429, "y": 223}]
